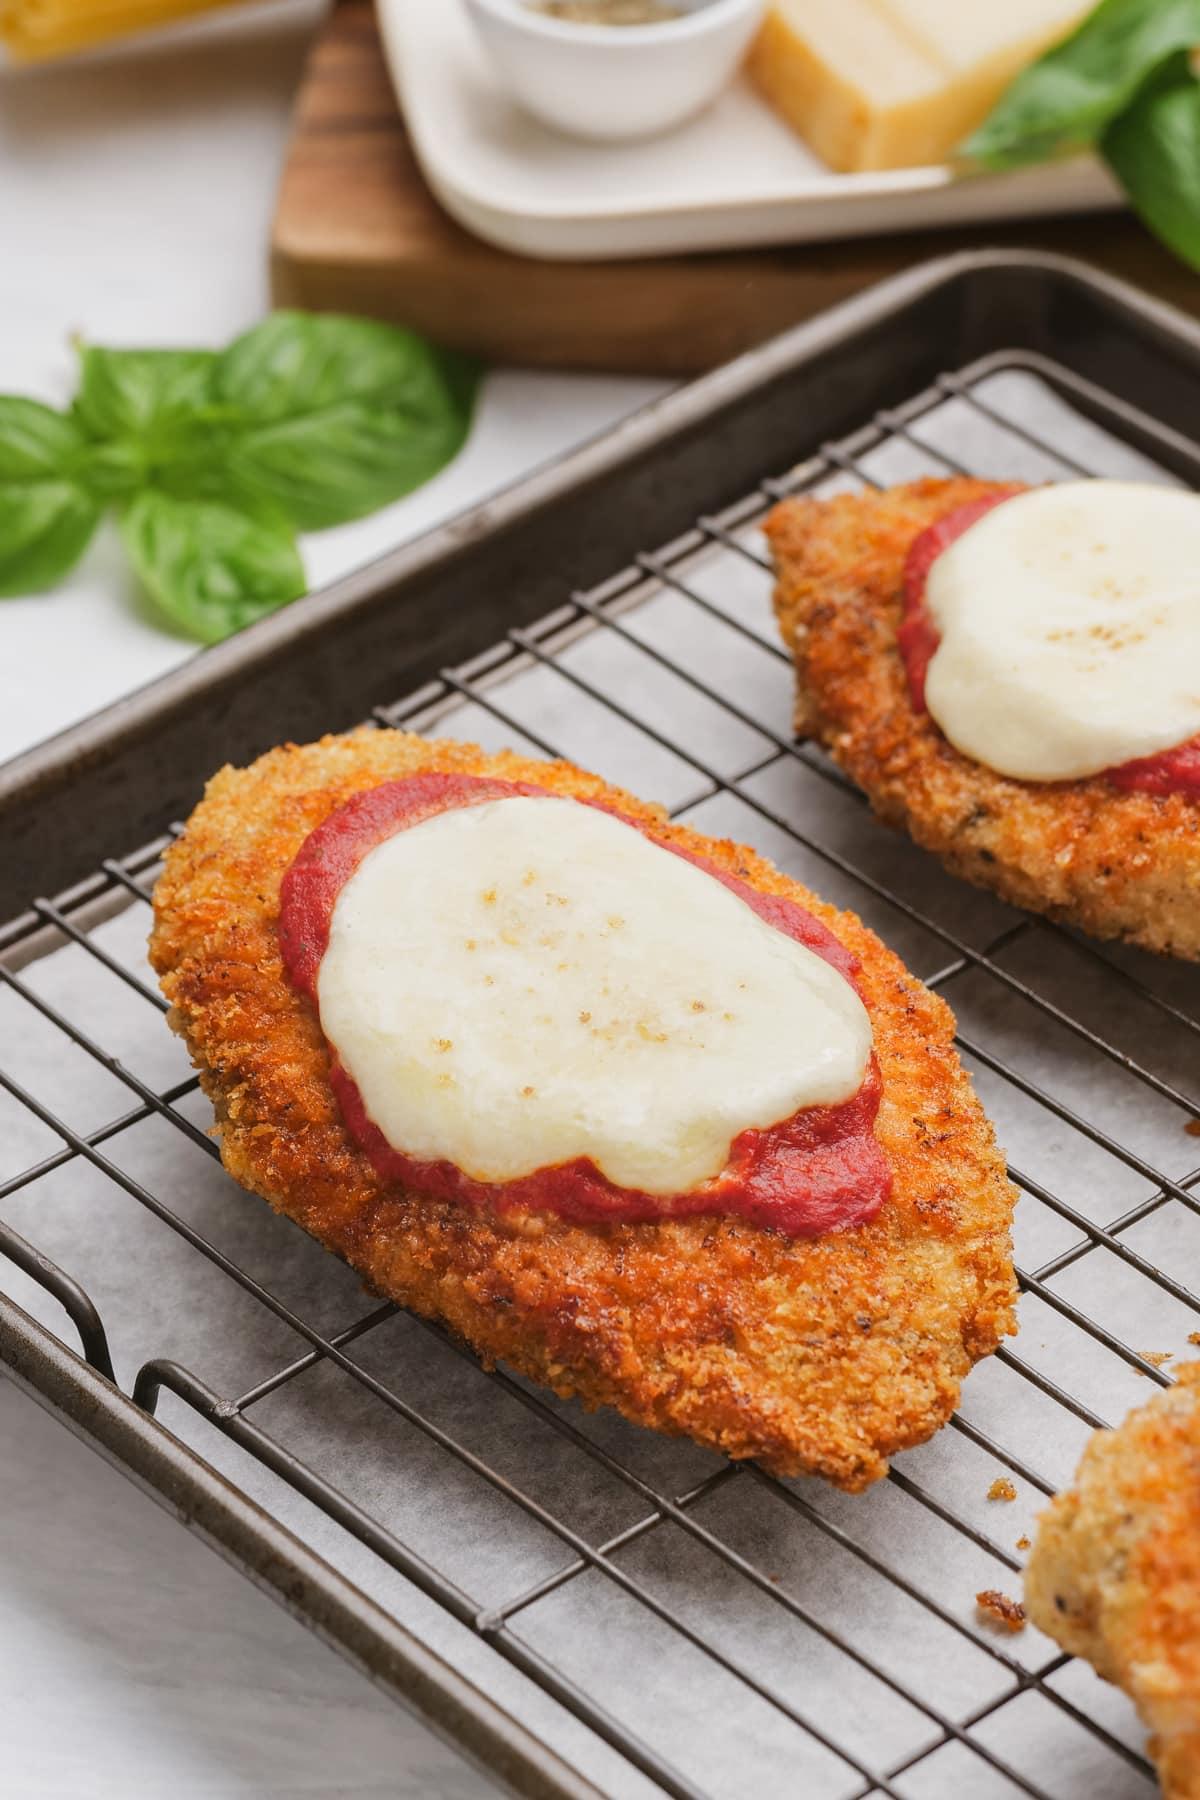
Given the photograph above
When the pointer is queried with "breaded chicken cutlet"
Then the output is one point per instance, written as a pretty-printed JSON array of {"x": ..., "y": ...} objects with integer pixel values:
[
  {"x": 824, "y": 1354},
  {"x": 1118, "y": 864},
  {"x": 1114, "y": 1575}
]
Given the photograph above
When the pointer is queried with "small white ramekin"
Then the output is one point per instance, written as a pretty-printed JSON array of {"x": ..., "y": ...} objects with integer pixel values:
[{"x": 608, "y": 82}]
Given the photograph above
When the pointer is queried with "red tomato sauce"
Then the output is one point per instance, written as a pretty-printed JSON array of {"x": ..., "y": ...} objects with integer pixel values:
[
  {"x": 1175, "y": 771},
  {"x": 817, "y": 1171}
]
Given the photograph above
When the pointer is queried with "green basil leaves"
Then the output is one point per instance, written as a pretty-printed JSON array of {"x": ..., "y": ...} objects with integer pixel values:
[
  {"x": 211, "y": 568},
  {"x": 44, "y": 530},
  {"x": 47, "y": 512},
  {"x": 142, "y": 394},
  {"x": 1123, "y": 82},
  {"x": 215, "y": 460},
  {"x": 347, "y": 415},
  {"x": 1154, "y": 151},
  {"x": 36, "y": 443}
]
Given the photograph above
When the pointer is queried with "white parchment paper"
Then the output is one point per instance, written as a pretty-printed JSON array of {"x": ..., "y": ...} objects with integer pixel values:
[{"x": 871, "y": 1662}]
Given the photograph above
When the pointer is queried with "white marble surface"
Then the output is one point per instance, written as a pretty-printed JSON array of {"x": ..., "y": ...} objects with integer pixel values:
[
  {"x": 134, "y": 1662},
  {"x": 135, "y": 195},
  {"x": 135, "y": 203}
]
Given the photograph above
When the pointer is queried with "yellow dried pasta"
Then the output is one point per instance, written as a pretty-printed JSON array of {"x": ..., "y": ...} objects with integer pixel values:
[{"x": 30, "y": 29}]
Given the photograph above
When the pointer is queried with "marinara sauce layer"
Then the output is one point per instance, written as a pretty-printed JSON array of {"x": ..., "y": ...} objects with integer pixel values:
[
  {"x": 817, "y": 1171},
  {"x": 1175, "y": 771}
]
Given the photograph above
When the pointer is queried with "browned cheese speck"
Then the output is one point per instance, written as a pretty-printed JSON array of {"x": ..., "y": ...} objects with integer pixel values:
[{"x": 1000, "y": 1610}]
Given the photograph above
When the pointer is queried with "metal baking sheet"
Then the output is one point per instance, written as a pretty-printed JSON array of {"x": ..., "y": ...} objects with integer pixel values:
[{"x": 637, "y": 1610}]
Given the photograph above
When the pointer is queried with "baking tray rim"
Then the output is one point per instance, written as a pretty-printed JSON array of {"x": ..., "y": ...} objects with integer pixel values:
[
  {"x": 271, "y": 1556},
  {"x": 684, "y": 407},
  {"x": 99, "y": 1412}
]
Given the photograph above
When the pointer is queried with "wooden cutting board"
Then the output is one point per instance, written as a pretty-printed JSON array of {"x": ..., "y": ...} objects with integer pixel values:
[{"x": 357, "y": 230}]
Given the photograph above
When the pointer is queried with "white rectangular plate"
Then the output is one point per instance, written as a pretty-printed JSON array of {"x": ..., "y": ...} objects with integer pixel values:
[{"x": 733, "y": 177}]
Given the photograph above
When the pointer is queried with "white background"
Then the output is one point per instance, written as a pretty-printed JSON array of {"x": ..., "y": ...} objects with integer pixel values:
[{"x": 135, "y": 201}]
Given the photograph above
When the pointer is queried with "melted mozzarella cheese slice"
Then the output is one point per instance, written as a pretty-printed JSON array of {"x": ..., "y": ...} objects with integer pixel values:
[
  {"x": 519, "y": 983},
  {"x": 1070, "y": 630}
]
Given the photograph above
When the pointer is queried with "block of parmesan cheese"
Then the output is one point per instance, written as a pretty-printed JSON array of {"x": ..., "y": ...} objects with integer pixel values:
[{"x": 889, "y": 84}]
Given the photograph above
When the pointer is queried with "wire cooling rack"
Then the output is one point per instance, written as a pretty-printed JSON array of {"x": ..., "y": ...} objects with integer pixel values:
[{"x": 666, "y": 1621}]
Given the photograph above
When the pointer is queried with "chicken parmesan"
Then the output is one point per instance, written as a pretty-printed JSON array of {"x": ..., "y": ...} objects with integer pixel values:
[
  {"x": 622, "y": 1105},
  {"x": 1115, "y": 1571},
  {"x": 1010, "y": 675}
]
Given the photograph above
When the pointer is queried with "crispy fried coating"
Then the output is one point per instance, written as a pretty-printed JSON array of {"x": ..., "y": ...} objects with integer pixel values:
[
  {"x": 1115, "y": 1571},
  {"x": 823, "y": 1355},
  {"x": 1118, "y": 864}
]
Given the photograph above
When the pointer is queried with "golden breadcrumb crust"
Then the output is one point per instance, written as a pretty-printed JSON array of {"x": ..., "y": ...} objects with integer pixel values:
[
  {"x": 825, "y": 1355},
  {"x": 1115, "y": 1571},
  {"x": 1120, "y": 865}
]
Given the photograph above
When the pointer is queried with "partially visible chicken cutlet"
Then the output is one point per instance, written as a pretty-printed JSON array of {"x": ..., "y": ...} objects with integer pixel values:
[
  {"x": 823, "y": 1355},
  {"x": 1115, "y": 1571},
  {"x": 1117, "y": 864}
]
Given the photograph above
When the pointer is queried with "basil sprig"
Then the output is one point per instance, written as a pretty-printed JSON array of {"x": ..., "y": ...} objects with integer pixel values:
[
  {"x": 214, "y": 460},
  {"x": 212, "y": 568},
  {"x": 47, "y": 511},
  {"x": 1154, "y": 151},
  {"x": 1124, "y": 82}
]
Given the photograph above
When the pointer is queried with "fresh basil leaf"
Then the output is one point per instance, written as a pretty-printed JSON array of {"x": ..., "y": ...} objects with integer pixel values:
[
  {"x": 35, "y": 441},
  {"x": 44, "y": 529},
  {"x": 1066, "y": 99},
  {"x": 462, "y": 375},
  {"x": 142, "y": 393},
  {"x": 296, "y": 363},
  {"x": 199, "y": 475},
  {"x": 47, "y": 513},
  {"x": 346, "y": 415},
  {"x": 1154, "y": 151},
  {"x": 210, "y": 568},
  {"x": 304, "y": 421},
  {"x": 113, "y": 470},
  {"x": 342, "y": 463}
]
